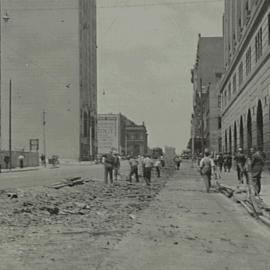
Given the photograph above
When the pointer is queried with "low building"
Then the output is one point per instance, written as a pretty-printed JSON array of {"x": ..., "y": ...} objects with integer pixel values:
[
  {"x": 137, "y": 138},
  {"x": 115, "y": 131}
]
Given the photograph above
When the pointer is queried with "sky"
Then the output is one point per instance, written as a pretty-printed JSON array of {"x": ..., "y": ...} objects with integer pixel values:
[{"x": 145, "y": 54}]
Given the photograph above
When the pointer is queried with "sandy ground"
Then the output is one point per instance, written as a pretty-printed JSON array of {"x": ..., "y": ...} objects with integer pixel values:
[
  {"x": 70, "y": 228},
  {"x": 188, "y": 229},
  {"x": 173, "y": 224}
]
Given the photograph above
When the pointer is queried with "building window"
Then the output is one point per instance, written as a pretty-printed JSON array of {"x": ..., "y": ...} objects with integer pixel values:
[
  {"x": 219, "y": 101},
  {"x": 269, "y": 28},
  {"x": 258, "y": 45},
  {"x": 229, "y": 92},
  {"x": 225, "y": 98},
  {"x": 248, "y": 61},
  {"x": 240, "y": 74},
  {"x": 234, "y": 83},
  {"x": 219, "y": 122},
  {"x": 85, "y": 124}
]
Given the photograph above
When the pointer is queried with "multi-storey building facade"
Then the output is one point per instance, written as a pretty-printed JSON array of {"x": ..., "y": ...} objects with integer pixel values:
[
  {"x": 49, "y": 52},
  {"x": 245, "y": 86},
  {"x": 205, "y": 74},
  {"x": 116, "y": 131}
]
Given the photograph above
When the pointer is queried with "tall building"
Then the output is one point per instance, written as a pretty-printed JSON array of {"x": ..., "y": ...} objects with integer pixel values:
[
  {"x": 245, "y": 86},
  {"x": 116, "y": 131},
  {"x": 49, "y": 52},
  {"x": 207, "y": 70}
]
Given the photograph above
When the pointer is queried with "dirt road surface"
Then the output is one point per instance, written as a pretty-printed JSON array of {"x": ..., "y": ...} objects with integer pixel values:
[
  {"x": 129, "y": 227},
  {"x": 188, "y": 229}
]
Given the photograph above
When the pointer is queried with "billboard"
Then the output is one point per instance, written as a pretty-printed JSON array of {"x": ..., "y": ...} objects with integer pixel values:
[{"x": 108, "y": 133}]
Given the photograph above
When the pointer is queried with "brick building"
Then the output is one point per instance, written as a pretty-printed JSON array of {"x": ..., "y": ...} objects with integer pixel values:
[
  {"x": 116, "y": 131},
  {"x": 205, "y": 122},
  {"x": 49, "y": 52},
  {"x": 245, "y": 86}
]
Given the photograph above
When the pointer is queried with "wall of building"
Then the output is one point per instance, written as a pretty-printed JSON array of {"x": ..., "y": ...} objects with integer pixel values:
[
  {"x": 207, "y": 69},
  {"x": 41, "y": 51},
  {"x": 88, "y": 79},
  {"x": 252, "y": 91}
]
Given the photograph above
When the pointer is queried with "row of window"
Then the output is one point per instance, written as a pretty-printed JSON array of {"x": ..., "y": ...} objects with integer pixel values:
[{"x": 232, "y": 88}]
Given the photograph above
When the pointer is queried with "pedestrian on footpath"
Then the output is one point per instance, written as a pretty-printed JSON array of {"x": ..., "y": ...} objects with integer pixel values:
[
  {"x": 21, "y": 159},
  {"x": 43, "y": 160},
  {"x": 108, "y": 160},
  {"x": 241, "y": 167},
  {"x": 207, "y": 167},
  {"x": 6, "y": 160},
  {"x": 257, "y": 164},
  {"x": 157, "y": 165},
  {"x": 227, "y": 162},
  {"x": 220, "y": 163},
  {"x": 117, "y": 165},
  {"x": 133, "y": 162},
  {"x": 148, "y": 165}
]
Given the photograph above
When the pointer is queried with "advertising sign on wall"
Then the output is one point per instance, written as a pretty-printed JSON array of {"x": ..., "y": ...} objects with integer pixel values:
[{"x": 108, "y": 133}]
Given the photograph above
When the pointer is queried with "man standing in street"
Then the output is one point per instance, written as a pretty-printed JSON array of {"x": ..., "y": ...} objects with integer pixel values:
[
  {"x": 157, "y": 165},
  {"x": 108, "y": 167},
  {"x": 177, "y": 162},
  {"x": 207, "y": 167},
  {"x": 257, "y": 164},
  {"x": 133, "y": 162},
  {"x": 148, "y": 165}
]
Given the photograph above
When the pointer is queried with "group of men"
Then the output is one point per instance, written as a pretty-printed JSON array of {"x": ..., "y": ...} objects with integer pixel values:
[
  {"x": 140, "y": 166},
  {"x": 249, "y": 167}
]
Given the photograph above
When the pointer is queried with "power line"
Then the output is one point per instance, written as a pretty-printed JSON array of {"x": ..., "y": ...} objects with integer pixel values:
[{"x": 193, "y": 2}]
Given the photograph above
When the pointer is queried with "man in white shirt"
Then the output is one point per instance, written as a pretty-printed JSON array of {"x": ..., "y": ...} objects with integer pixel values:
[
  {"x": 148, "y": 165},
  {"x": 207, "y": 167}
]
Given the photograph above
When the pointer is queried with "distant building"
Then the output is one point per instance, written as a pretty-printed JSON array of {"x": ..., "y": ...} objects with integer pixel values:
[
  {"x": 137, "y": 140},
  {"x": 207, "y": 70},
  {"x": 111, "y": 132},
  {"x": 49, "y": 52},
  {"x": 115, "y": 131},
  {"x": 245, "y": 87}
]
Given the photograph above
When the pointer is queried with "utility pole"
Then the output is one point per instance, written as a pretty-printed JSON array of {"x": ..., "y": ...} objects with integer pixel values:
[
  {"x": 10, "y": 125},
  {"x": 44, "y": 136},
  {"x": 0, "y": 73}
]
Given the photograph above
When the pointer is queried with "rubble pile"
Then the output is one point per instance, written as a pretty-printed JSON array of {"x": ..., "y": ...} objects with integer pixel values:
[{"x": 89, "y": 205}]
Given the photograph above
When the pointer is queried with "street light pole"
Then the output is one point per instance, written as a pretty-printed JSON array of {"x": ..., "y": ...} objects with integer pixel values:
[
  {"x": 44, "y": 136},
  {"x": 10, "y": 125}
]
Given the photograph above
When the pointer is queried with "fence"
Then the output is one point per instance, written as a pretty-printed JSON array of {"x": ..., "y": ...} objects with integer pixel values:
[{"x": 31, "y": 159}]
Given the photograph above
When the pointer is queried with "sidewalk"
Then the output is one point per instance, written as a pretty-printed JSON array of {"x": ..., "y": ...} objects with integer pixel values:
[
  {"x": 25, "y": 169},
  {"x": 230, "y": 179}
]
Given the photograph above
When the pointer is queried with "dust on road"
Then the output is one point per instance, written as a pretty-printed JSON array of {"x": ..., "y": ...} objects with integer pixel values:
[{"x": 69, "y": 228}]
